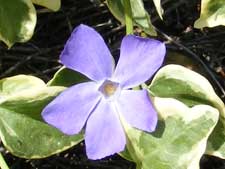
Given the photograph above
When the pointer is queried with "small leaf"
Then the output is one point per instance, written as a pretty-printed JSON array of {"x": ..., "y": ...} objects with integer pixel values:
[
  {"x": 22, "y": 130},
  {"x": 212, "y": 14},
  {"x": 216, "y": 142},
  {"x": 50, "y": 4},
  {"x": 191, "y": 88},
  {"x": 126, "y": 155},
  {"x": 17, "y": 21},
  {"x": 158, "y": 7},
  {"x": 67, "y": 77},
  {"x": 12, "y": 86},
  {"x": 179, "y": 140},
  {"x": 117, "y": 9},
  {"x": 140, "y": 15}
]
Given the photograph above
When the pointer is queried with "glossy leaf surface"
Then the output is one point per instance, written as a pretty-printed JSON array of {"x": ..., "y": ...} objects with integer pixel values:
[
  {"x": 22, "y": 130},
  {"x": 191, "y": 88},
  {"x": 17, "y": 21},
  {"x": 179, "y": 140},
  {"x": 212, "y": 14},
  {"x": 140, "y": 15}
]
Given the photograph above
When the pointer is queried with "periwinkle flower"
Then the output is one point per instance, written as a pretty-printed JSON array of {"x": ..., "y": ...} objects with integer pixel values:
[{"x": 98, "y": 105}]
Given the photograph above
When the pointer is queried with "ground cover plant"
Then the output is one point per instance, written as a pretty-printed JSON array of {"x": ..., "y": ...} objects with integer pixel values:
[{"x": 190, "y": 110}]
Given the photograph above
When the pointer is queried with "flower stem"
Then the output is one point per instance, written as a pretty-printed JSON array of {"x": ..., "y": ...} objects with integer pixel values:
[
  {"x": 128, "y": 17},
  {"x": 3, "y": 164}
]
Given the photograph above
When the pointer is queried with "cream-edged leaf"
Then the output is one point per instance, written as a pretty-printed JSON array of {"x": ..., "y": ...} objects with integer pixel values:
[
  {"x": 22, "y": 130},
  {"x": 212, "y": 14},
  {"x": 140, "y": 16},
  {"x": 179, "y": 140},
  {"x": 174, "y": 81},
  {"x": 17, "y": 21},
  {"x": 158, "y": 7}
]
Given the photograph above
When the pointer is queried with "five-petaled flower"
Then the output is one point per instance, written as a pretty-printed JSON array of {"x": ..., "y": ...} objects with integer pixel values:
[{"x": 99, "y": 105}]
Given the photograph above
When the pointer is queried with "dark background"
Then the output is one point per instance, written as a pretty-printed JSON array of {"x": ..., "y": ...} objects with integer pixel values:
[{"x": 200, "y": 50}]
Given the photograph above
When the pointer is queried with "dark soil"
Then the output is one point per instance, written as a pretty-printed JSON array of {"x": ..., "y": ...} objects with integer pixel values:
[{"x": 201, "y": 50}]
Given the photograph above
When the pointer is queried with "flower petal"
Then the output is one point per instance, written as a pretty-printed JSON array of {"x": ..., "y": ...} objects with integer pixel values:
[
  {"x": 69, "y": 111},
  {"x": 87, "y": 53},
  {"x": 139, "y": 60},
  {"x": 137, "y": 109},
  {"x": 103, "y": 127}
]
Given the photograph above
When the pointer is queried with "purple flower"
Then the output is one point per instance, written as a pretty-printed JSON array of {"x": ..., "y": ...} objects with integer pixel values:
[{"x": 99, "y": 105}]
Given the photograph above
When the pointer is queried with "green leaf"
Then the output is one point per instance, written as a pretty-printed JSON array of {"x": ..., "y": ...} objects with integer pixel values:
[
  {"x": 191, "y": 88},
  {"x": 216, "y": 142},
  {"x": 67, "y": 77},
  {"x": 116, "y": 7},
  {"x": 126, "y": 155},
  {"x": 8, "y": 86},
  {"x": 212, "y": 14},
  {"x": 185, "y": 85},
  {"x": 180, "y": 137},
  {"x": 17, "y": 21},
  {"x": 50, "y": 4},
  {"x": 22, "y": 130},
  {"x": 140, "y": 15},
  {"x": 158, "y": 7}
]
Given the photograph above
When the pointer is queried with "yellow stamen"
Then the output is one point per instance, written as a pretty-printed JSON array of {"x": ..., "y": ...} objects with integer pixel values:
[{"x": 109, "y": 89}]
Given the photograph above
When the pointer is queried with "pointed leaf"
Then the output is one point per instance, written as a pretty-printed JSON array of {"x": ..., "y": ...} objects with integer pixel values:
[
  {"x": 158, "y": 7},
  {"x": 22, "y": 130},
  {"x": 212, "y": 14},
  {"x": 179, "y": 140},
  {"x": 17, "y": 21},
  {"x": 178, "y": 82}
]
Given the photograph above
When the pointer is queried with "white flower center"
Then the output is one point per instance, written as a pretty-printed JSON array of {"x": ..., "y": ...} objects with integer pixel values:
[{"x": 109, "y": 88}]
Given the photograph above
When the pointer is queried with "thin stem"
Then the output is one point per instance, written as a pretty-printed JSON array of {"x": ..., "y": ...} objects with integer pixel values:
[
  {"x": 128, "y": 17},
  {"x": 3, "y": 164},
  {"x": 210, "y": 73}
]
